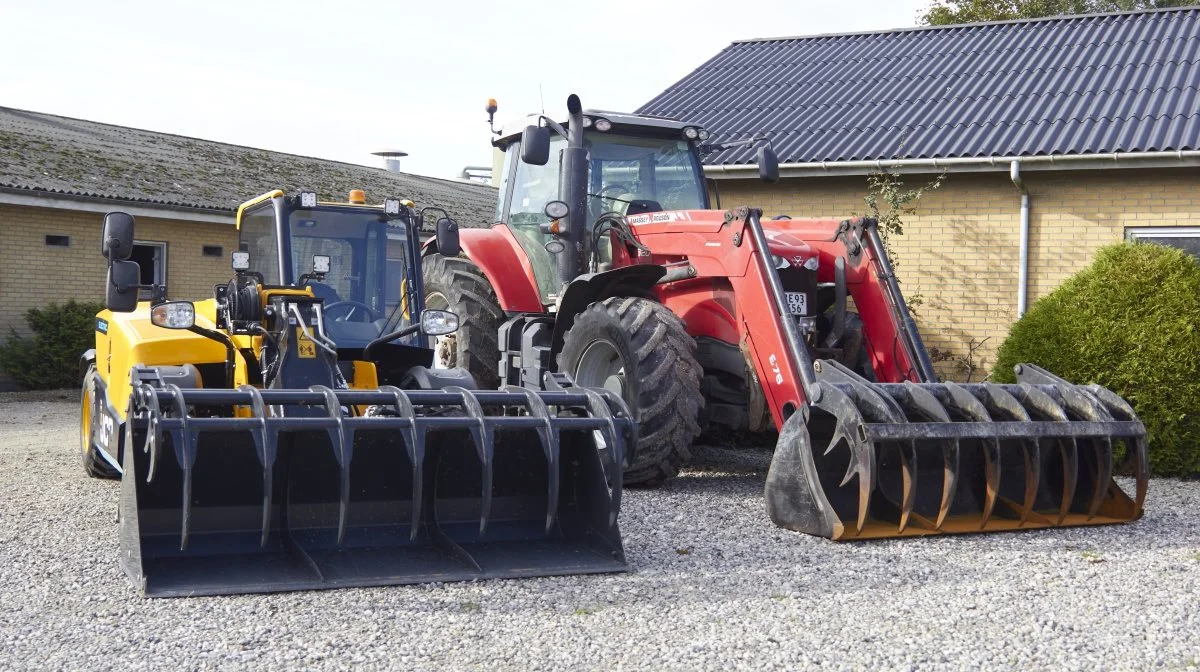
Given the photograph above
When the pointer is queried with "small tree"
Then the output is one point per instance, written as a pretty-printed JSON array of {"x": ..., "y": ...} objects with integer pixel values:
[
  {"x": 888, "y": 201},
  {"x": 50, "y": 359}
]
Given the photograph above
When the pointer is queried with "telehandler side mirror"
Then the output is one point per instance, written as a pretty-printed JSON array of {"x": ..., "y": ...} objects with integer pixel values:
[
  {"x": 121, "y": 286},
  {"x": 447, "y": 237},
  {"x": 116, "y": 241},
  {"x": 768, "y": 165},
  {"x": 535, "y": 145}
]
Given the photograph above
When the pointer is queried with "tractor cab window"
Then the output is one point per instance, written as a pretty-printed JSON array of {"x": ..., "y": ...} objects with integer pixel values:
[
  {"x": 662, "y": 171},
  {"x": 533, "y": 188},
  {"x": 362, "y": 299}
]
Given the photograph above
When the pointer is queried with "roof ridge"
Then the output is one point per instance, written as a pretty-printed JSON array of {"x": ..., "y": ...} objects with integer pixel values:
[
  {"x": 219, "y": 142},
  {"x": 974, "y": 24}
]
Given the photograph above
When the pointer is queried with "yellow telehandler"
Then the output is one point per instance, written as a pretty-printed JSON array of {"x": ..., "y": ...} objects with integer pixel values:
[{"x": 289, "y": 432}]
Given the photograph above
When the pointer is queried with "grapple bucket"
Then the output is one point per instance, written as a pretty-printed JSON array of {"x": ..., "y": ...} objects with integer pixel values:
[
  {"x": 910, "y": 459},
  {"x": 247, "y": 491}
]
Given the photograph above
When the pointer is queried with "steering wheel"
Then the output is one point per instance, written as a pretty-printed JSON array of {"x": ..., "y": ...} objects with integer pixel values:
[{"x": 350, "y": 307}]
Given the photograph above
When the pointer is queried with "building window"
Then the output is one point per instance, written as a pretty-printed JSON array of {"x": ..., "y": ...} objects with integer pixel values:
[
  {"x": 151, "y": 258},
  {"x": 213, "y": 251},
  {"x": 1186, "y": 238},
  {"x": 58, "y": 241}
]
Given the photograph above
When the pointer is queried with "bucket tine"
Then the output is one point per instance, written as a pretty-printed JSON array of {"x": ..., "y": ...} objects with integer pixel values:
[
  {"x": 1119, "y": 408},
  {"x": 999, "y": 402},
  {"x": 485, "y": 446},
  {"x": 549, "y": 438},
  {"x": 185, "y": 455},
  {"x": 415, "y": 441},
  {"x": 968, "y": 405},
  {"x": 342, "y": 438},
  {"x": 1084, "y": 405},
  {"x": 265, "y": 445},
  {"x": 908, "y": 465},
  {"x": 151, "y": 412},
  {"x": 930, "y": 408},
  {"x": 1068, "y": 448},
  {"x": 598, "y": 407}
]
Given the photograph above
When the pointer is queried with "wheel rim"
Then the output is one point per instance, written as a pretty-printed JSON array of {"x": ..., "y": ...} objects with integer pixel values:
[
  {"x": 601, "y": 365},
  {"x": 445, "y": 348}
]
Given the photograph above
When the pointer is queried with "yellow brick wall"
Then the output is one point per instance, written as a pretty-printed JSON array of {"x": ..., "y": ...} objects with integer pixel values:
[
  {"x": 33, "y": 274},
  {"x": 961, "y": 250}
]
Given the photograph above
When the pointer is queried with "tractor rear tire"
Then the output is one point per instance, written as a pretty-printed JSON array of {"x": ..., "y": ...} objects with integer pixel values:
[
  {"x": 456, "y": 284},
  {"x": 93, "y": 464},
  {"x": 651, "y": 363}
]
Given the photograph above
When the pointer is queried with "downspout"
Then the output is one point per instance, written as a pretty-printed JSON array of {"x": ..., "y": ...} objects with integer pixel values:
[{"x": 1014, "y": 173}]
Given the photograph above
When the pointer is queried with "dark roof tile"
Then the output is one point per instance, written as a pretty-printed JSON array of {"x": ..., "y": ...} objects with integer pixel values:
[{"x": 1070, "y": 85}]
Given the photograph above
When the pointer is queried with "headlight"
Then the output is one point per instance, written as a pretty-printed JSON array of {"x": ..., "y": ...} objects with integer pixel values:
[
  {"x": 174, "y": 315},
  {"x": 691, "y": 133},
  {"x": 439, "y": 322},
  {"x": 391, "y": 206},
  {"x": 702, "y": 134},
  {"x": 587, "y": 122},
  {"x": 780, "y": 262},
  {"x": 241, "y": 260},
  {"x": 308, "y": 199},
  {"x": 603, "y": 125},
  {"x": 556, "y": 210}
]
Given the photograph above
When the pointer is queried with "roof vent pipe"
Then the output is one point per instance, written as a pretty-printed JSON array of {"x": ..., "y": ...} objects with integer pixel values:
[
  {"x": 1014, "y": 174},
  {"x": 391, "y": 159}
]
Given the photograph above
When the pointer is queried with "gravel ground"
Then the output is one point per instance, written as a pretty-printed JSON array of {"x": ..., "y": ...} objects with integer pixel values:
[{"x": 715, "y": 586}]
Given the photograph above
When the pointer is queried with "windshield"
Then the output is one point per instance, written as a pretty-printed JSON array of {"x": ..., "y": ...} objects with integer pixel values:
[
  {"x": 365, "y": 289},
  {"x": 626, "y": 168}
]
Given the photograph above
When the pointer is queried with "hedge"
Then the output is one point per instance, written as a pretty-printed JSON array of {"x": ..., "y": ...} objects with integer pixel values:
[
  {"x": 1130, "y": 322},
  {"x": 50, "y": 358}
]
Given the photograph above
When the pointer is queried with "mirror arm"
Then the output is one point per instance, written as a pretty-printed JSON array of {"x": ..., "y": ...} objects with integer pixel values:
[
  {"x": 386, "y": 338},
  {"x": 554, "y": 125}
]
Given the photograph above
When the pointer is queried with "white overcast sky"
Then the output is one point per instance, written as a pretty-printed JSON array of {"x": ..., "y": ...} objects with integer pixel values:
[{"x": 339, "y": 80}]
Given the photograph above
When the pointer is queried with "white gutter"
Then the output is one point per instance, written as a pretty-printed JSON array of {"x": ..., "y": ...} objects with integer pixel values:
[
  {"x": 1014, "y": 174},
  {"x": 1108, "y": 161},
  {"x": 42, "y": 199}
]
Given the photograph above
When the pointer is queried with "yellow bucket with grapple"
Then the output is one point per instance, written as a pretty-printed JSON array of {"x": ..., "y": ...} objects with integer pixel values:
[{"x": 290, "y": 434}]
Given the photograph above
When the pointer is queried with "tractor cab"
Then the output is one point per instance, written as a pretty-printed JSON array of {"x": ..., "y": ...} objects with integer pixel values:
[
  {"x": 635, "y": 164},
  {"x": 360, "y": 260}
]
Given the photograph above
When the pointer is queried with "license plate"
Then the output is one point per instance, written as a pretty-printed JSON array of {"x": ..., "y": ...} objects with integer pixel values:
[{"x": 797, "y": 303}]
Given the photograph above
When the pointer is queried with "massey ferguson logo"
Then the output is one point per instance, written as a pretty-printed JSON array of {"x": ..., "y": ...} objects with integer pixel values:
[{"x": 659, "y": 217}]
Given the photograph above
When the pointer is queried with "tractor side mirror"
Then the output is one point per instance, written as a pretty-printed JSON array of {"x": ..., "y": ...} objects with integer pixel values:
[
  {"x": 535, "y": 145},
  {"x": 768, "y": 165},
  {"x": 447, "y": 237},
  {"x": 116, "y": 241},
  {"x": 121, "y": 288}
]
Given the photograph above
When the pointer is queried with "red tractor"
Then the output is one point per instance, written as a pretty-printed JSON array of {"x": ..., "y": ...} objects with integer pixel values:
[{"x": 610, "y": 266}]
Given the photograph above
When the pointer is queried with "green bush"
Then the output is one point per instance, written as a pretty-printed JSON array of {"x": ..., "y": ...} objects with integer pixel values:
[
  {"x": 1130, "y": 322},
  {"x": 50, "y": 359}
]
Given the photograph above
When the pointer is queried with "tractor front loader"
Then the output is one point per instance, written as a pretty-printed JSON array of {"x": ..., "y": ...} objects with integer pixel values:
[
  {"x": 289, "y": 433},
  {"x": 609, "y": 265}
]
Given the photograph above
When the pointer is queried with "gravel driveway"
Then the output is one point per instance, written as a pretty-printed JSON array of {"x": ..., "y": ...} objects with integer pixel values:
[{"x": 715, "y": 586}]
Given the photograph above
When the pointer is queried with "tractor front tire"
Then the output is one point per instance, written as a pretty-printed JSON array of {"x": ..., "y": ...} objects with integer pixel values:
[
  {"x": 93, "y": 464},
  {"x": 456, "y": 284},
  {"x": 640, "y": 350}
]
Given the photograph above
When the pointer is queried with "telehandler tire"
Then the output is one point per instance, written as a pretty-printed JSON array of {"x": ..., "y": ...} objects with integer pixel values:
[
  {"x": 93, "y": 464},
  {"x": 639, "y": 349},
  {"x": 456, "y": 284}
]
